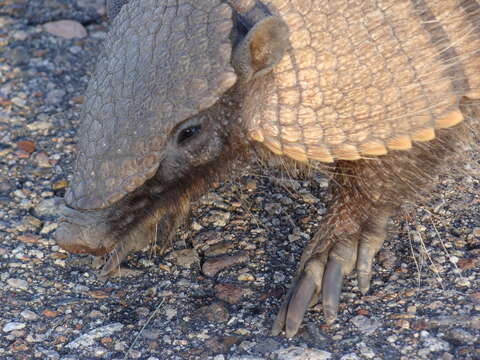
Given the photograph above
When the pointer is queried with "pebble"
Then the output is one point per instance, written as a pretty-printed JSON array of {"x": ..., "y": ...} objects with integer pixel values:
[
  {"x": 350, "y": 356},
  {"x": 89, "y": 338},
  {"x": 28, "y": 238},
  {"x": 48, "y": 207},
  {"x": 170, "y": 312},
  {"x": 366, "y": 325},
  {"x": 213, "y": 266},
  {"x": 267, "y": 346},
  {"x": 42, "y": 160},
  {"x": 300, "y": 353},
  {"x": 231, "y": 293},
  {"x": 461, "y": 336},
  {"x": 11, "y": 326},
  {"x": 18, "y": 283},
  {"x": 29, "y": 315},
  {"x": 220, "y": 248},
  {"x": 67, "y": 29},
  {"x": 186, "y": 258},
  {"x": 218, "y": 218},
  {"x": 215, "y": 312},
  {"x": 434, "y": 344},
  {"x": 246, "y": 277},
  {"x": 27, "y": 146}
]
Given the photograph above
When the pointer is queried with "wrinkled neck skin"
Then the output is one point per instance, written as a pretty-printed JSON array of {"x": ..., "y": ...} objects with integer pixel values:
[{"x": 167, "y": 194}]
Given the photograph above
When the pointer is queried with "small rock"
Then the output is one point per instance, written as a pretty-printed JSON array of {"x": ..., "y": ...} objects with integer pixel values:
[
  {"x": 89, "y": 338},
  {"x": 29, "y": 238},
  {"x": 434, "y": 344},
  {"x": 170, "y": 312},
  {"x": 246, "y": 277},
  {"x": 230, "y": 293},
  {"x": 186, "y": 258},
  {"x": 29, "y": 315},
  {"x": 59, "y": 185},
  {"x": 48, "y": 207},
  {"x": 366, "y": 325},
  {"x": 218, "y": 218},
  {"x": 43, "y": 160},
  {"x": 152, "y": 334},
  {"x": 267, "y": 346},
  {"x": 11, "y": 326},
  {"x": 214, "y": 265},
  {"x": 299, "y": 353},
  {"x": 39, "y": 125},
  {"x": 5, "y": 185},
  {"x": 468, "y": 264},
  {"x": 18, "y": 283},
  {"x": 447, "y": 356},
  {"x": 278, "y": 277},
  {"x": 67, "y": 29},
  {"x": 461, "y": 336},
  {"x": 309, "y": 198},
  {"x": 27, "y": 146},
  {"x": 55, "y": 96},
  {"x": 48, "y": 227},
  {"x": 387, "y": 258},
  {"x": 350, "y": 356},
  {"x": 207, "y": 238},
  {"x": 213, "y": 313},
  {"x": 220, "y": 248},
  {"x": 50, "y": 313}
]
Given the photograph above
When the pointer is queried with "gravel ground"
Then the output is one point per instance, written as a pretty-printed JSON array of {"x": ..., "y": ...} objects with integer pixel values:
[{"x": 214, "y": 296}]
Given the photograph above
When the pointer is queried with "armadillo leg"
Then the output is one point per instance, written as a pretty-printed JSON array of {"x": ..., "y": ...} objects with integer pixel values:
[{"x": 333, "y": 251}]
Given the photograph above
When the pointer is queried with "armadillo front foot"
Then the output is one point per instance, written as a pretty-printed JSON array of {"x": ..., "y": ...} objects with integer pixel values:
[{"x": 321, "y": 274}]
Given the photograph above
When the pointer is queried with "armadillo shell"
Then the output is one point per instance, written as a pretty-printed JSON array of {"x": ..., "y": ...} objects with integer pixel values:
[
  {"x": 143, "y": 87},
  {"x": 367, "y": 77}
]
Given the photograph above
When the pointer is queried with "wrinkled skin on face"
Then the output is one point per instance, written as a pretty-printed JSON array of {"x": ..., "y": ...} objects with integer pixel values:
[
  {"x": 198, "y": 150},
  {"x": 194, "y": 151}
]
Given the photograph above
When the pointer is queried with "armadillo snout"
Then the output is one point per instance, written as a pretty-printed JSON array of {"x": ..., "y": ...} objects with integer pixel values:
[
  {"x": 71, "y": 238},
  {"x": 83, "y": 233}
]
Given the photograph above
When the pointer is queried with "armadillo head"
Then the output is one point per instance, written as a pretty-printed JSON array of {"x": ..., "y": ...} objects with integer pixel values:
[{"x": 162, "y": 110}]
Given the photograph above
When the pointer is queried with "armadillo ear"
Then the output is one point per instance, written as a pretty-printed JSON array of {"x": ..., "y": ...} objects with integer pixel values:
[{"x": 261, "y": 49}]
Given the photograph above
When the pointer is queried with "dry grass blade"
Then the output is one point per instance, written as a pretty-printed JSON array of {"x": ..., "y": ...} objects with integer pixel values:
[{"x": 143, "y": 328}]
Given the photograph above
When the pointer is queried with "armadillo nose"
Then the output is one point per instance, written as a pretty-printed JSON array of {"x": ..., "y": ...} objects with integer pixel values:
[{"x": 70, "y": 238}]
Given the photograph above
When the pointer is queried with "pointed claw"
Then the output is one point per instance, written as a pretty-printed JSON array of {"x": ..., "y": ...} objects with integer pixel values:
[
  {"x": 364, "y": 279},
  {"x": 364, "y": 269},
  {"x": 299, "y": 303},
  {"x": 332, "y": 286},
  {"x": 279, "y": 323}
]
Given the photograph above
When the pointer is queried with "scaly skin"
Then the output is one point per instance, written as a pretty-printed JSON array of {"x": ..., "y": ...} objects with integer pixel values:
[{"x": 184, "y": 90}]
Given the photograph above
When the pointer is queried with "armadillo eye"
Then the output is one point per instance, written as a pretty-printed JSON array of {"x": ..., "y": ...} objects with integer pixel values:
[{"x": 188, "y": 133}]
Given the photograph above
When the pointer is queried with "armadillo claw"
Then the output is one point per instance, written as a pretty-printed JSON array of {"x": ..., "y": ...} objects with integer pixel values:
[
  {"x": 322, "y": 276},
  {"x": 299, "y": 302},
  {"x": 304, "y": 293},
  {"x": 332, "y": 287},
  {"x": 370, "y": 244}
]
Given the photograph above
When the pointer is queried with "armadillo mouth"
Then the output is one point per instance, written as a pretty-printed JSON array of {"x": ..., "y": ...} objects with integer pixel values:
[{"x": 82, "y": 232}]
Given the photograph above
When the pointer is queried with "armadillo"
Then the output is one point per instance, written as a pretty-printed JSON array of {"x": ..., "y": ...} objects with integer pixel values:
[{"x": 383, "y": 92}]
